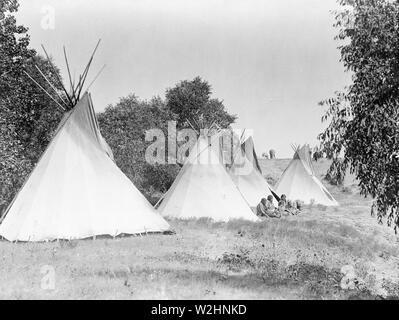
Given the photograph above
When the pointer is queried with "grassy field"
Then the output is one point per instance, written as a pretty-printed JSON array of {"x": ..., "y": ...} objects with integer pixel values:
[{"x": 292, "y": 258}]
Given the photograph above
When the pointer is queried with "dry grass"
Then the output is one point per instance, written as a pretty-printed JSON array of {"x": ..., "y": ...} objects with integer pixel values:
[{"x": 292, "y": 258}]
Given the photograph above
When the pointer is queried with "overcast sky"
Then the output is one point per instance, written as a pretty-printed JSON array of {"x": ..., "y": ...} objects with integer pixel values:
[{"x": 271, "y": 61}]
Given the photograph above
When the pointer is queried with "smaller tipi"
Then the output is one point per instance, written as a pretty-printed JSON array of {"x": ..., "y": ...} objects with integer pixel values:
[
  {"x": 299, "y": 182},
  {"x": 203, "y": 188},
  {"x": 246, "y": 173}
]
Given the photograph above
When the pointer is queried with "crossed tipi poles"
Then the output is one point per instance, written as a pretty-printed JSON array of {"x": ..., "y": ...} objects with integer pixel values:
[{"x": 68, "y": 99}]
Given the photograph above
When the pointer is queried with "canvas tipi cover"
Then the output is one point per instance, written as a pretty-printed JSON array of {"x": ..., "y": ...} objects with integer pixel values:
[
  {"x": 77, "y": 191},
  {"x": 203, "y": 188},
  {"x": 248, "y": 146},
  {"x": 299, "y": 182},
  {"x": 246, "y": 173}
]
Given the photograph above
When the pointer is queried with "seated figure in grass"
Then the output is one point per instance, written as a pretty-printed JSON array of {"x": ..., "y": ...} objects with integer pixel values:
[
  {"x": 294, "y": 207},
  {"x": 298, "y": 206},
  {"x": 283, "y": 205},
  {"x": 266, "y": 209},
  {"x": 288, "y": 207}
]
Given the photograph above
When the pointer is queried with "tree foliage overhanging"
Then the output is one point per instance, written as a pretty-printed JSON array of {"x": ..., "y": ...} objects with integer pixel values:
[{"x": 363, "y": 130}]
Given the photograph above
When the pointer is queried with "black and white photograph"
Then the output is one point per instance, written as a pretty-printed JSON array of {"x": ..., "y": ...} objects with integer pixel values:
[{"x": 207, "y": 152}]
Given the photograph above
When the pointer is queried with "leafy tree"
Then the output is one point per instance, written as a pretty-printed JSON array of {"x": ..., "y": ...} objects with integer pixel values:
[
  {"x": 14, "y": 167},
  {"x": 27, "y": 116},
  {"x": 124, "y": 126},
  {"x": 29, "y": 111},
  {"x": 191, "y": 101},
  {"x": 363, "y": 130},
  {"x": 14, "y": 51}
]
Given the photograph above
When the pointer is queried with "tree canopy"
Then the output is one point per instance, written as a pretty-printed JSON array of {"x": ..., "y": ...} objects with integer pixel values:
[
  {"x": 363, "y": 130},
  {"x": 191, "y": 101}
]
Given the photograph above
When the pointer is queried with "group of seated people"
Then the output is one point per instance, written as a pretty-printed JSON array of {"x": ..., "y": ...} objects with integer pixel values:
[{"x": 286, "y": 207}]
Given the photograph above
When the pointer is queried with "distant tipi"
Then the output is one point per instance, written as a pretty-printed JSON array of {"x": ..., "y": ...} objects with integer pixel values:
[
  {"x": 77, "y": 191},
  {"x": 299, "y": 181},
  {"x": 203, "y": 188},
  {"x": 245, "y": 171}
]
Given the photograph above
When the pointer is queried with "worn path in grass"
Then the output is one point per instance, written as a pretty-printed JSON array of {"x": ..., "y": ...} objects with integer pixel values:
[{"x": 292, "y": 258}]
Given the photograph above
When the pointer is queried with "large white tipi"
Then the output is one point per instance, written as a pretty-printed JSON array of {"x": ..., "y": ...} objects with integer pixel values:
[
  {"x": 203, "y": 188},
  {"x": 77, "y": 191},
  {"x": 246, "y": 172},
  {"x": 299, "y": 181}
]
